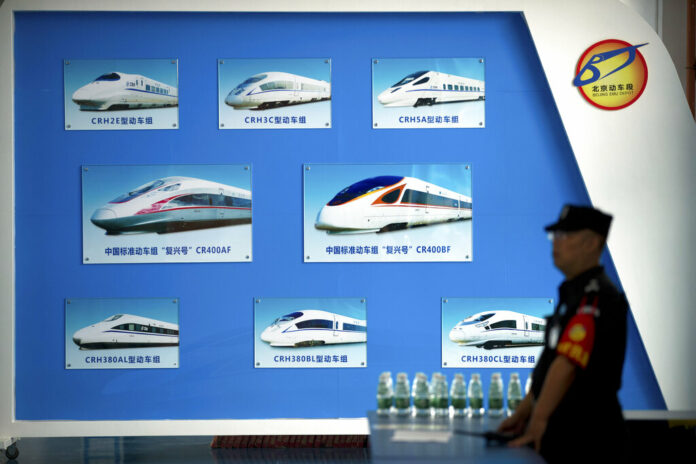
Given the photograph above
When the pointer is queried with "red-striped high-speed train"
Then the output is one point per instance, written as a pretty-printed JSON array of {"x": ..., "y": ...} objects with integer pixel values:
[
  {"x": 273, "y": 89},
  {"x": 385, "y": 203},
  {"x": 312, "y": 327},
  {"x": 174, "y": 204},
  {"x": 127, "y": 331},
  {"x": 121, "y": 91},
  {"x": 431, "y": 87},
  {"x": 499, "y": 329}
]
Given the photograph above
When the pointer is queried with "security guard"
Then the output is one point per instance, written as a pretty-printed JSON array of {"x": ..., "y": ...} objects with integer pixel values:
[{"x": 572, "y": 413}]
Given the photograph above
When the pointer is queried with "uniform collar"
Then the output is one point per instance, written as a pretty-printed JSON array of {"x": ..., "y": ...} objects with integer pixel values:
[{"x": 582, "y": 279}]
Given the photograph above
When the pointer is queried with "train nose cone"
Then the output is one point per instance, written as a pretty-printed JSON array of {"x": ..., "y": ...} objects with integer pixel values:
[
  {"x": 266, "y": 335},
  {"x": 102, "y": 216},
  {"x": 77, "y": 337},
  {"x": 233, "y": 100},
  {"x": 328, "y": 219},
  {"x": 80, "y": 94},
  {"x": 388, "y": 96},
  {"x": 454, "y": 335}
]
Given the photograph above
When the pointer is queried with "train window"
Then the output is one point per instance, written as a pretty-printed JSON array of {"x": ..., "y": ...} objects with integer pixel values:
[
  {"x": 464, "y": 204},
  {"x": 138, "y": 191},
  {"x": 363, "y": 187},
  {"x": 391, "y": 197},
  {"x": 114, "y": 317},
  {"x": 504, "y": 325},
  {"x": 354, "y": 327},
  {"x": 277, "y": 85},
  {"x": 237, "y": 202},
  {"x": 315, "y": 324},
  {"x": 108, "y": 77},
  {"x": 538, "y": 327},
  {"x": 422, "y": 81},
  {"x": 288, "y": 317},
  {"x": 196, "y": 199},
  {"x": 171, "y": 188},
  {"x": 410, "y": 78},
  {"x": 306, "y": 86},
  {"x": 449, "y": 86}
]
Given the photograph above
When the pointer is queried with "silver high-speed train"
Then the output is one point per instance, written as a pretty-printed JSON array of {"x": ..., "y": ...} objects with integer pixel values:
[
  {"x": 127, "y": 331},
  {"x": 174, "y": 204},
  {"x": 499, "y": 329},
  {"x": 273, "y": 89},
  {"x": 121, "y": 91},
  {"x": 311, "y": 327},
  {"x": 431, "y": 87},
  {"x": 384, "y": 203}
]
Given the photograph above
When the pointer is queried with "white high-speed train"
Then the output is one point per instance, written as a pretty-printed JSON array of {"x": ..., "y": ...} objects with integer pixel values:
[
  {"x": 174, "y": 204},
  {"x": 121, "y": 91},
  {"x": 431, "y": 87},
  {"x": 499, "y": 329},
  {"x": 273, "y": 89},
  {"x": 384, "y": 203},
  {"x": 127, "y": 331},
  {"x": 311, "y": 327}
]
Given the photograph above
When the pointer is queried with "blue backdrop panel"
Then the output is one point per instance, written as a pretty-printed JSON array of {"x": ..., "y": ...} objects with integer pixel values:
[{"x": 523, "y": 171}]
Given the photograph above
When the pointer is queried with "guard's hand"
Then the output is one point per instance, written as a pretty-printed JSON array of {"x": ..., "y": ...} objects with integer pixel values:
[
  {"x": 514, "y": 424},
  {"x": 535, "y": 430}
]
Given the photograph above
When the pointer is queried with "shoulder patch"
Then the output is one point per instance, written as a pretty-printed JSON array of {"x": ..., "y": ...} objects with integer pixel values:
[{"x": 592, "y": 286}]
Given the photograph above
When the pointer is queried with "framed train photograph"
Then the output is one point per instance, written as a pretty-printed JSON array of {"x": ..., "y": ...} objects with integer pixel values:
[
  {"x": 310, "y": 332},
  {"x": 121, "y": 333},
  {"x": 387, "y": 212},
  {"x": 166, "y": 213},
  {"x": 289, "y": 93},
  {"x": 409, "y": 93},
  {"x": 121, "y": 94},
  {"x": 493, "y": 332}
]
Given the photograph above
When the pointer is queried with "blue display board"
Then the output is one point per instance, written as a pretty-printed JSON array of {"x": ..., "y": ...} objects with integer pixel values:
[{"x": 524, "y": 171}]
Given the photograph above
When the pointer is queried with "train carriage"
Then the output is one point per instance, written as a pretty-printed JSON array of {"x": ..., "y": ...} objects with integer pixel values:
[
  {"x": 173, "y": 204},
  {"x": 312, "y": 327},
  {"x": 274, "y": 89},
  {"x": 121, "y": 91},
  {"x": 384, "y": 203},
  {"x": 127, "y": 331},
  {"x": 499, "y": 329},
  {"x": 427, "y": 88}
]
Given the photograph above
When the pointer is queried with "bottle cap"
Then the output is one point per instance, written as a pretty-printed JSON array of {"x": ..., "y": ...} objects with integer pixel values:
[{"x": 514, "y": 376}]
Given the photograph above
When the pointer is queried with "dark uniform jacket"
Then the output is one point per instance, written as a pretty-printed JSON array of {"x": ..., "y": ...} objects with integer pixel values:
[{"x": 588, "y": 327}]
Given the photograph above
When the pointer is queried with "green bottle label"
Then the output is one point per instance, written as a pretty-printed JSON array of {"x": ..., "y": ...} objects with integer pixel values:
[
  {"x": 512, "y": 404},
  {"x": 402, "y": 403},
  {"x": 421, "y": 403},
  {"x": 476, "y": 403},
  {"x": 384, "y": 403},
  {"x": 459, "y": 403},
  {"x": 495, "y": 403},
  {"x": 442, "y": 403}
]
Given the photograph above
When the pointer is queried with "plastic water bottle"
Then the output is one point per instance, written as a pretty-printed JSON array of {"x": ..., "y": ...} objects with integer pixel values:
[
  {"x": 514, "y": 393},
  {"x": 475, "y": 396},
  {"x": 440, "y": 395},
  {"x": 458, "y": 395},
  {"x": 421, "y": 395},
  {"x": 495, "y": 396},
  {"x": 402, "y": 395},
  {"x": 385, "y": 394},
  {"x": 528, "y": 385}
]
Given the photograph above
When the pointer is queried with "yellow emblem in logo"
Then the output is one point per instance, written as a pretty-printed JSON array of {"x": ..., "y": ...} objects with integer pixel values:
[{"x": 577, "y": 333}]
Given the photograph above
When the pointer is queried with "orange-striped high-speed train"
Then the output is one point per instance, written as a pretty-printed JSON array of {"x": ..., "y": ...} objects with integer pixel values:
[
  {"x": 385, "y": 203},
  {"x": 173, "y": 204}
]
